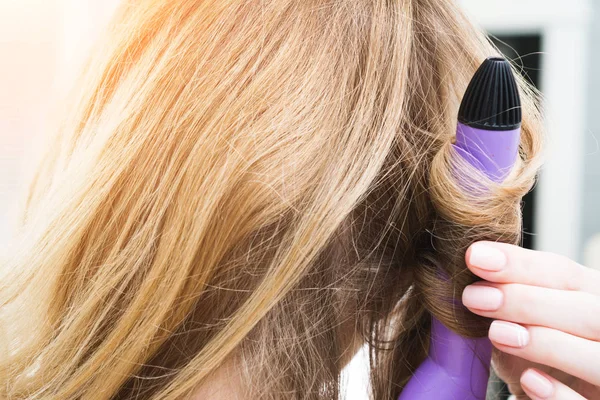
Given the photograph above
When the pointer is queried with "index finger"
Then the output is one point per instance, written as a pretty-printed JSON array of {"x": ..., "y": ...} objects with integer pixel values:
[{"x": 506, "y": 263}]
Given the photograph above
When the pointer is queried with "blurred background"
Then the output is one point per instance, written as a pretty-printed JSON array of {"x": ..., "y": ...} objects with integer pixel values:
[{"x": 556, "y": 44}]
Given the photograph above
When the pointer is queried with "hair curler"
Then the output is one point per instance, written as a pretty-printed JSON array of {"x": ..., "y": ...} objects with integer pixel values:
[{"x": 487, "y": 136}]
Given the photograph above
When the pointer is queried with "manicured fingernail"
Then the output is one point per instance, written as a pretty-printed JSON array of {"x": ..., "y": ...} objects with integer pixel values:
[
  {"x": 484, "y": 256},
  {"x": 508, "y": 334},
  {"x": 481, "y": 297},
  {"x": 537, "y": 384}
]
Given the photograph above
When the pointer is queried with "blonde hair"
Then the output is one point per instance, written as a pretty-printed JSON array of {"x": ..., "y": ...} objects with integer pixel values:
[{"x": 270, "y": 181}]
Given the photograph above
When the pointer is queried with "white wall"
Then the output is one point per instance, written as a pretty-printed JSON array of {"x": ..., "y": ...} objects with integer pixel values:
[
  {"x": 28, "y": 39},
  {"x": 591, "y": 155},
  {"x": 42, "y": 44}
]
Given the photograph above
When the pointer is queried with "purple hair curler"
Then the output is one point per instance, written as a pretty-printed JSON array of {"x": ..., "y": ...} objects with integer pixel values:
[{"x": 487, "y": 136}]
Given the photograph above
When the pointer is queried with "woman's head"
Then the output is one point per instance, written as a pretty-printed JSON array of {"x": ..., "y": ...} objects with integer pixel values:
[{"x": 261, "y": 181}]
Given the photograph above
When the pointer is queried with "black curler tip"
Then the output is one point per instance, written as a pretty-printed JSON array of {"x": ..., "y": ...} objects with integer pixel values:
[{"x": 492, "y": 101}]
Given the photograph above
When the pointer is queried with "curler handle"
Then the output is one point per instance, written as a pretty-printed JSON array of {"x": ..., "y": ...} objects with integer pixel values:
[
  {"x": 487, "y": 136},
  {"x": 457, "y": 368}
]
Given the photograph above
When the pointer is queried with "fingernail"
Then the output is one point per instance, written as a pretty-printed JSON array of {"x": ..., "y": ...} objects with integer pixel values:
[
  {"x": 486, "y": 257},
  {"x": 537, "y": 384},
  {"x": 508, "y": 334},
  {"x": 481, "y": 297}
]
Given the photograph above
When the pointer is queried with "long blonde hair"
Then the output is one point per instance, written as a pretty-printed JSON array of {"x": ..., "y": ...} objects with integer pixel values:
[{"x": 265, "y": 180}]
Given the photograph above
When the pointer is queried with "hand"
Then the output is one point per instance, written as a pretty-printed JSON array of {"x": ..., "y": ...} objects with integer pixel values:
[{"x": 546, "y": 328}]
